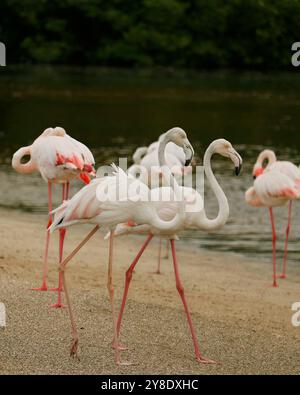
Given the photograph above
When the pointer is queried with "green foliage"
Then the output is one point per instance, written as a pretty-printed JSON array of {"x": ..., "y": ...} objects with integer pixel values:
[{"x": 251, "y": 34}]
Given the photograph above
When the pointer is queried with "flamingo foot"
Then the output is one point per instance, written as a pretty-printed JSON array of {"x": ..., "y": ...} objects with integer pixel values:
[
  {"x": 74, "y": 349},
  {"x": 56, "y": 289},
  {"x": 275, "y": 284},
  {"x": 124, "y": 363},
  {"x": 116, "y": 346},
  {"x": 58, "y": 305},
  {"x": 206, "y": 361},
  {"x": 158, "y": 272},
  {"x": 43, "y": 287}
]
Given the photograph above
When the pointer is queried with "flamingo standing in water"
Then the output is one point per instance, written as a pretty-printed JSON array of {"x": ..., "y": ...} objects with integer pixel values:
[
  {"x": 59, "y": 158},
  {"x": 99, "y": 203},
  {"x": 266, "y": 160},
  {"x": 195, "y": 218}
]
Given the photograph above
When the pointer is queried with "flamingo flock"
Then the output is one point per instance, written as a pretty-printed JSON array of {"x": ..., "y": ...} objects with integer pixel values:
[{"x": 150, "y": 199}]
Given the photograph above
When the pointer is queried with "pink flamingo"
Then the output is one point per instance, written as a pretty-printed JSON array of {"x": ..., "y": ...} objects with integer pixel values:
[
  {"x": 59, "y": 158},
  {"x": 195, "y": 218},
  {"x": 99, "y": 203},
  {"x": 268, "y": 158},
  {"x": 272, "y": 188}
]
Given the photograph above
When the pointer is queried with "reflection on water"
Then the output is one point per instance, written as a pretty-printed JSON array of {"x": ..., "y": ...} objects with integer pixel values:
[{"x": 114, "y": 113}]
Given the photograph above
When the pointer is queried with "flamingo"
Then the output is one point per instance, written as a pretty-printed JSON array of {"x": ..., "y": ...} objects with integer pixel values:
[
  {"x": 290, "y": 170},
  {"x": 172, "y": 149},
  {"x": 96, "y": 203},
  {"x": 195, "y": 218},
  {"x": 272, "y": 188},
  {"x": 59, "y": 158},
  {"x": 146, "y": 168}
]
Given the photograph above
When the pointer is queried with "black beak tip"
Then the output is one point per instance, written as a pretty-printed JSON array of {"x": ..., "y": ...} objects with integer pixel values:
[
  {"x": 187, "y": 162},
  {"x": 237, "y": 170},
  {"x": 254, "y": 177}
]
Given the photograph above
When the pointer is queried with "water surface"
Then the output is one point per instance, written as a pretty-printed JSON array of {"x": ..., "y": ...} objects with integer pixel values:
[{"x": 113, "y": 112}]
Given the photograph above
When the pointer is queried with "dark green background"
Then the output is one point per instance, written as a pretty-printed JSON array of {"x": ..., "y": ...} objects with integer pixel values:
[{"x": 251, "y": 34}]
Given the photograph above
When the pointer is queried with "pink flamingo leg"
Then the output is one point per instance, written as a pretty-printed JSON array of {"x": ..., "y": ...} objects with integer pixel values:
[
  {"x": 62, "y": 268},
  {"x": 44, "y": 287},
  {"x": 127, "y": 283},
  {"x": 274, "y": 246},
  {"x": 159, "y": 257},
  {"x": 182, "y": 295},
  {"x": 110, "y": 288},
  {"x": 62, "y": 234},
  {"x": 287, "y": 232}
]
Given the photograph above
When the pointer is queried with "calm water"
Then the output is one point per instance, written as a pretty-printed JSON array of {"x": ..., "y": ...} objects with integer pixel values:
[{"x": 113, "y": 112}]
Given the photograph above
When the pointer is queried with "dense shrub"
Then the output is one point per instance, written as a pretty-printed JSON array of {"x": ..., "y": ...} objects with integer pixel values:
[{"x": 252, "y": 34}]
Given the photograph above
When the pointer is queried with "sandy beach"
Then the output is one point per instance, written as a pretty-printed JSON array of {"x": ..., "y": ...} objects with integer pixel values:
[{"x": 241, "y": 321}]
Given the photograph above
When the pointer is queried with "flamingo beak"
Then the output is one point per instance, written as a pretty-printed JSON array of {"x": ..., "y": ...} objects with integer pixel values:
[
  {"x": 85, "y": 178},
  {"x": 238, "y": 169},
  {"x": 189, "y": 152},
  {"x": 237, "y": 160},
  {"x": 257, "y": 172}
]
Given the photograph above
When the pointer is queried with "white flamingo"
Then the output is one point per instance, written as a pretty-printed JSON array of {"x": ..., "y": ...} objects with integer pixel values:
[
  {"x": 59, "y": 158},
  {"x": 171, "y": 149},
  {"x": 98, "y": 203},
  {"x": 195, "y": 218},
  {"x": 146, "y": 168}
]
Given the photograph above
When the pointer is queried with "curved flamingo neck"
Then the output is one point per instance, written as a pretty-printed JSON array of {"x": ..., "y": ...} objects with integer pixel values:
[
  {"x": 138, "y": 154},
  {"x": 23, "y": 168},
  {"x": 202, "y": 220},
  {"x": 267, "y": 155},
  {"x": 167, "y": 174},
  {"x": 171, "y": 182}
]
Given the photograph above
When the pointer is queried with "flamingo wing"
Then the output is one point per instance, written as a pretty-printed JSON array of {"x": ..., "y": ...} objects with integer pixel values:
[
  {"x": 274, "y": 184},
  {"x": 84, "y": 151},
  {"x": 52, "y": 152},
  {"x": 107, "y": 201},
  {"x": 287, "y": 168},
  {"x": 252, "y": 198}
]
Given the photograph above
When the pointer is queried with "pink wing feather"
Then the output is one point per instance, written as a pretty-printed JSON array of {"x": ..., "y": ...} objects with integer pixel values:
[{"x": 273, "y": 185}]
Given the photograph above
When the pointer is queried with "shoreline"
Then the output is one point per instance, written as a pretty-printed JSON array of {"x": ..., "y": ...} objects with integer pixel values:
[{"x": 241, "y": 321}]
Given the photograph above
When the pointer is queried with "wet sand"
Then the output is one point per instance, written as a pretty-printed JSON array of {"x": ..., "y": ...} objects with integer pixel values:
[{"x": 241, "y": 321}]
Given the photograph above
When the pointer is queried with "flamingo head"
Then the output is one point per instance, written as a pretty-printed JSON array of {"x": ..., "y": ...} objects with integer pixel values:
[
  {"x": 224, "y": 148},
  {"x": 179, "y": 137},
  {"x": 257, "y": 171}
]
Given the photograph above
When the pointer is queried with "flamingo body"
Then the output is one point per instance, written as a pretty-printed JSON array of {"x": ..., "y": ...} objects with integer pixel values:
[{"x": 272, "y": 189}]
